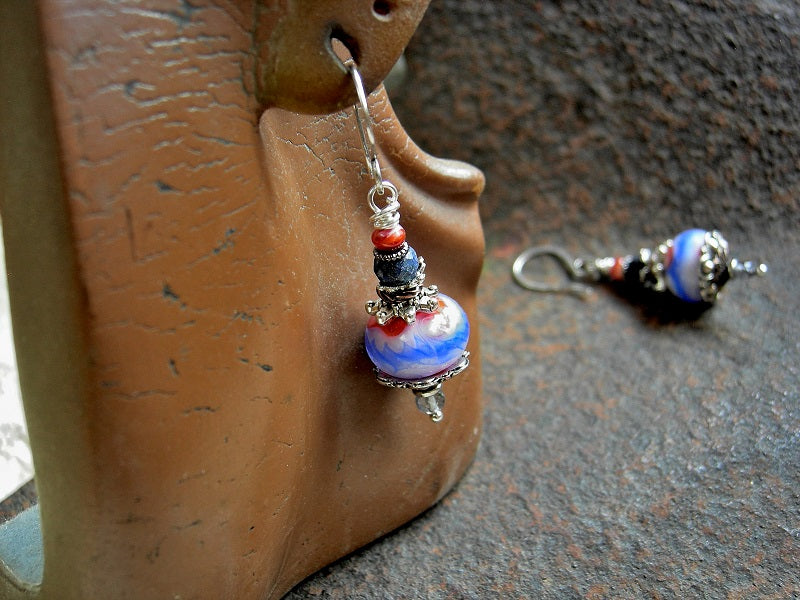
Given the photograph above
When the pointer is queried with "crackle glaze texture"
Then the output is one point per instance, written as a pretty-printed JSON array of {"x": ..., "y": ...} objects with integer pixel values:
[{"x": 190, "y": 260}]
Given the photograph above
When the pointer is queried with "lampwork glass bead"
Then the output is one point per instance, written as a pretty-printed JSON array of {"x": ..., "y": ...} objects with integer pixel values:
[
  {"x": 683, "y": 265},
  {"x": 430, "y": 345}
]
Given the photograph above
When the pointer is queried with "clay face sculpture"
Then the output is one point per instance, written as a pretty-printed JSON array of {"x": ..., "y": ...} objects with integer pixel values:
[{"x": 190, "y": 258}]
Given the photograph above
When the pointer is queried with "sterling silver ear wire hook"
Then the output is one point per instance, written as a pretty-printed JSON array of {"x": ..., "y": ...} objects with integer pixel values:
[
  {"x": 693, "y": 266},
  {"x": 570, "y": 266},
  {"x": 364, "y": 123}
]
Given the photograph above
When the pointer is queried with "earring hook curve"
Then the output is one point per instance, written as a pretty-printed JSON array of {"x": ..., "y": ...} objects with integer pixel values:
[{"x": 563, "y": 259}]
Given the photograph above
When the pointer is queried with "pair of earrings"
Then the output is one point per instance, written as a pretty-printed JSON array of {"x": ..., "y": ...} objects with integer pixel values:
[{"x": 417, "y": 337}]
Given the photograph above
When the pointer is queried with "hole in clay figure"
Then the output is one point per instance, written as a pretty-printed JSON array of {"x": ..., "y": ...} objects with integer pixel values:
[
  {"x": 382, "y": 9},
  {"x": 343, "y": 46}
]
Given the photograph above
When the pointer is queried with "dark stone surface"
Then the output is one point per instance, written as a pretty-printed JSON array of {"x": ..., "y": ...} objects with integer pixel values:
[{"x": 629, "y": 451}]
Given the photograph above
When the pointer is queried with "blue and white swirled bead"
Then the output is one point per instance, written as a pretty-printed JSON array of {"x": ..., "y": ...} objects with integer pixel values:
[
  {"x": 430, "y": 345},
  {"x": 684, "y": 263}
]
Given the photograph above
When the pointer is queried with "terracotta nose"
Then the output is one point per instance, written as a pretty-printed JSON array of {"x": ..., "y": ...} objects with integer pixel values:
[{"x": 298, "y": 69}]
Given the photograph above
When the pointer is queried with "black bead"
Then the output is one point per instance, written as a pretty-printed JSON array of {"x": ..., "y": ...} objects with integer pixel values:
[
  {"x": 633, "y": 272},
  {"x": 722, "y": 277}
]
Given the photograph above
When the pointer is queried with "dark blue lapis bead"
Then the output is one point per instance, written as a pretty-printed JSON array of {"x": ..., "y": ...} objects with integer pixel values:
[{"x": 394, "y": 273}]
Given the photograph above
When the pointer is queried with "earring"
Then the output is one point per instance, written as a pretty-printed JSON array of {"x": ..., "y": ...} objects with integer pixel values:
[
  {"x": 415, "y": 336},
  {"x": 694, "y": 266}
]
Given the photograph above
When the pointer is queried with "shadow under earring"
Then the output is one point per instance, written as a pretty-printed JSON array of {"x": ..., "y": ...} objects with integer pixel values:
[{"x": 415, "y": 336}]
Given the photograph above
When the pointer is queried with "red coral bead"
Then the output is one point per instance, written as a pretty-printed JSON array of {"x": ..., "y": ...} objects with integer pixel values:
[
  {"x": 617, "y": 272},
  {"x": 389, "y": 239}
]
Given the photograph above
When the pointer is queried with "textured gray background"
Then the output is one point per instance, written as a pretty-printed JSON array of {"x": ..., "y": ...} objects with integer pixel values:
[{"x": 628, "y": 451}]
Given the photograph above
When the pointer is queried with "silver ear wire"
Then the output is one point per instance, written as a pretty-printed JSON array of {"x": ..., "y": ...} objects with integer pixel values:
[
  {"x": 364, "y": 123},
  {"x": 569, "y": 264}
]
